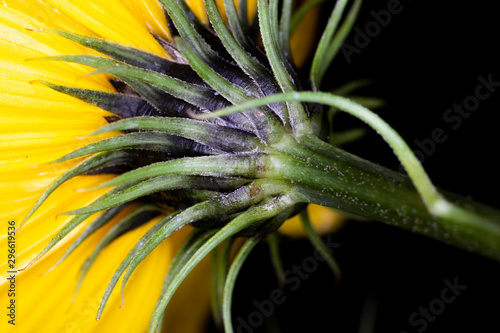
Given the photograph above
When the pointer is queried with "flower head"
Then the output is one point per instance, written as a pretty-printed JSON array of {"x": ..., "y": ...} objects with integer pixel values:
[
  {"x": 51, "y": 105},
  {"x": 175, "y": 117}
]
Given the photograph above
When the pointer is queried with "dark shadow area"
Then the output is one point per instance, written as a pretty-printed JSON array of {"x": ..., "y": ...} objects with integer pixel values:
[{"x": 425, "y": 61}]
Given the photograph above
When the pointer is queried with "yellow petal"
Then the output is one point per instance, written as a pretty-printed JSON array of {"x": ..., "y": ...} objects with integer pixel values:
[
  {"x": 304, "y": 37},
  {"x": 38, "y": 125},
  {"x": 110, "y": 20},
  {"x": 44, "y": 302},
  {"x": 198, "y": 8},
  {"x": 324, "y": 220},
  {"x": 151, "y": 13},
  {"x": 39, "y": 14}
]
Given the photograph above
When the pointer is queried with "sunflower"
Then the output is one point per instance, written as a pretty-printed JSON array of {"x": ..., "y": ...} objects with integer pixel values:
[
  {"x": 40, "y": 125},
  {"x": 128, "y": 122}
]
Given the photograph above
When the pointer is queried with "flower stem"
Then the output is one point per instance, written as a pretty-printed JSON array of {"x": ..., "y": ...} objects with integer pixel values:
[
  {"x": 332, "y": 177},
  {"x": 329, "y": 176}
]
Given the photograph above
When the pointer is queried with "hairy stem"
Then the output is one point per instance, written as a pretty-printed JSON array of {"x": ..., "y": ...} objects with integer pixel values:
[{"x": 331, "y": 177}]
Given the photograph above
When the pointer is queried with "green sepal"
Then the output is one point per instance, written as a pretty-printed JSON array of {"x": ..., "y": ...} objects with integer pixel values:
[
  {"x": 81, "y": 168},
  {"x": 142, "y": 140},
  {"x": 193, "y": 94},
  {"x": 227, "y": 165},
  {"x": 149, "y": 186},
  {"x": 148, "y": 84},
  {"x": 261, "y": 212},
  {"x": 219, "y": 268},
  {"x": 124, "y": 264},
  {"x": 320, "y": 246},
  {"x": 368, "y": 102},
  {"x": 95, "y": 225},
  {"x": 341, "y": 138},
  {"x": 238, "y": 23},
  {"x": 124, "y": 225},
  {"x": 248, "y": 64},
  {"x": 68, "y": 227},
  {"x": 347, "y": 88},
  {"x": 122, "y": 105},
  {"x": 284, "y": 74},
  {"x": 195, "y": 240},
  {"x": 153, "y": 86},
  {"x": 215, "y": 136},
  {"x": 220, "y": 206},
  {"x": 191, "y": 16},
  {"x": 215, "y": 58},
  {"x": 71, "y": 225},
  {"x": 179, "y": 16},
  {"x": 276, "y": 258},
  {"x": 339, "y": 38},
  {"x": 120, "y": 52},
  {"x": 321, "y": 53},
  {"x": 242, "y": 13},
  {"x": 284, "y": 28},
  {"x": 217, "y": 206},
  {"x": 266, "y": 125},
  {"x": 232, "y": 275},
  {"x": 87, "y": 60},
  {"x": 299, "y": 14}
]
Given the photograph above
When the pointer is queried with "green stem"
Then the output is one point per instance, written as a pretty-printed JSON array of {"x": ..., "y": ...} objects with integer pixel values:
[
  {"x": 331, "y": 177},
  {"x": 335, "y": 178}
]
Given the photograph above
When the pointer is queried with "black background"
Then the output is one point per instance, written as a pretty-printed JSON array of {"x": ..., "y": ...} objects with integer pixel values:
[{"x": 428, "y": 58}]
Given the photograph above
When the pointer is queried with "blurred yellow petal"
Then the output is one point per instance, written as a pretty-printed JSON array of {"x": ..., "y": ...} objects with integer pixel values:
[
  {"x": 151, "y": 13},
  {"x": 52, "y": 292},
  {"x": 324, "y": 220},
  {"x": 303, "y": 38},
  {"x": 39, "y": 125},
  {"x": 110, "y": 20},
  {"x": 198, "y": 8},
  {"x": 40, "y": 229}
]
